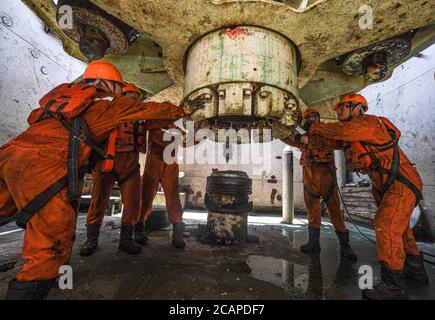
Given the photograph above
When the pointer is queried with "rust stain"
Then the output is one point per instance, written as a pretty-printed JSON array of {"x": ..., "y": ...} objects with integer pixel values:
[
  {"x": 234, "y": 33},
  {"x": 273, "y": 195},
  {"x": 272, "y": 180}
]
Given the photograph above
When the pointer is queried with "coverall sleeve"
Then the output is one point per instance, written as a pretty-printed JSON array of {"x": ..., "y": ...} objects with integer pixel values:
[
  {"x": 291, "y": 142},
  {"x": 158, "y": 124},
  {"x": 129, "y": 109},
  {"x": 356, "y": 130},
  {"x": 157, "y": 136},
  {"x": 325, "y": 143}
]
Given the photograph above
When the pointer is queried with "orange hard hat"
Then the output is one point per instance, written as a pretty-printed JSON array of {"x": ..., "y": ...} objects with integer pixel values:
[
  {"x": 353, "y": 99},
  {"x": 130, "y": 87},
  {"x": 310, "y": 112},
  {"x": 102, "y": 70}
]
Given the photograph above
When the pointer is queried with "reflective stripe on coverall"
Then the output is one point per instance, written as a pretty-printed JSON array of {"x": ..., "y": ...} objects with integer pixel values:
[
  {"x": 37, "y": 158},
  {"x": 393, "y": 234}
]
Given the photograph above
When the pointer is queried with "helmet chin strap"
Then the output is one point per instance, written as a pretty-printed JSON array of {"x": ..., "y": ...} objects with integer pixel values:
[
  {"x": 108, "y": 86},
  {"x": 350, "y": 117},
  {"x": 352, "y": 108}
]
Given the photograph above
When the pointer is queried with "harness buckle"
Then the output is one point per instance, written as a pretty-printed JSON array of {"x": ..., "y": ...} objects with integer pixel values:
[{"x": 81, "y": 138}]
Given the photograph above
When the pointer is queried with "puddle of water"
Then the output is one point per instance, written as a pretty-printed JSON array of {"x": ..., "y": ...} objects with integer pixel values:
[{"x": 297, "y": 280}]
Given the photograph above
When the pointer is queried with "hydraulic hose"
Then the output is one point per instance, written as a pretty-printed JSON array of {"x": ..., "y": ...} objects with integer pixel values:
[{"x": 371, "y": 240}]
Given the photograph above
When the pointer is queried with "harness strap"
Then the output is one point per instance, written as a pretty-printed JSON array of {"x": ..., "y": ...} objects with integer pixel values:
[
  {"x": 316, "y": 196},
  {"x": 371, "y": 153},
  {"x": 85, "y": 137},
  {"x": 127, "y": 177},
  {"x": 76, "y": 136},
  {"x": 328, "y": 195},
  {"x": 407, "y": 183},
  {"x": 135, "y": 134},
  {"x": 413, "y": 187},
  {"x": 35, "y": 205},
  {"x": 388, "y": 144},
  {"x": 394, "y": 171},
  {"x": 73, "y": 162}
]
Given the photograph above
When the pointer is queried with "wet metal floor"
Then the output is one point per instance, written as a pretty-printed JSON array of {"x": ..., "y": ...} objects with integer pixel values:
[{"x": 271, "y": 269}]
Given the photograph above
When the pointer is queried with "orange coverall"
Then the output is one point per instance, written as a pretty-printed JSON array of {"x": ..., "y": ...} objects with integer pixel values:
[
  {"x": 126, "y": 167},
  {"x": 394, "y": 236},
  {"x": 318, "y": 171},
  {"x": 103, "y": 183},
  {"x": 157, "y": 171},
  {"x": 36, "y": 158}
]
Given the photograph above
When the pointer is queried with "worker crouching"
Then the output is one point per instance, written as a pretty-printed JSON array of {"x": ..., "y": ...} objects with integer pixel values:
[
  {"x": 319, "y": 181},
  {"x": 124, "y": 143}
]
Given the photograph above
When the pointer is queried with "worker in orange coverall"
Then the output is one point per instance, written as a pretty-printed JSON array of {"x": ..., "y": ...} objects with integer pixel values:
[
  {"x": 371, "y": 147},
  {"x": 320, "y": 182},
  {"x": 158, "y": 171},
  {"x": 41, "y": 170},
  {"x": 128, "y": 140}
]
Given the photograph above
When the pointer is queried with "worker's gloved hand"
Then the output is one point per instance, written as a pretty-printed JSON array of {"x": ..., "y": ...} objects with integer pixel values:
[
  {"x": 177, "y": 113},
  {"x": 304, "y": 139},
  {"x": 192, "y": 105}
]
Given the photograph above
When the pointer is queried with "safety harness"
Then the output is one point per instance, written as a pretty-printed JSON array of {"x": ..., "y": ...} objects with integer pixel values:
[
  {"x": 359, "y": 158},
  {"x": 127, "y": 177},
  {"x": 126, "y": 138},
  {"x": 65, "y": 103},
  {"x": 328, "y": 194},
  {"x": 319, "y": 158}
]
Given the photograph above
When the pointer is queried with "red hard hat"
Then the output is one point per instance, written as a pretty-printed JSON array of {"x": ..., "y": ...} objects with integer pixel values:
[
  {"x": 130, "y": 87},
  {"x": 310, "y": 112},
  {"x": 352, "y": 98},
  {"x": 102, "y": 70}
]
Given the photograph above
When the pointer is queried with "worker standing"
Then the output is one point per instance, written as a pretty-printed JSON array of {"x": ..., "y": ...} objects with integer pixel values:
[
  {"x": 371, "y": 147},
  {"x": 125, "y": 142},
  {"x": 156, "y": 172},
  {"x": 319, "y": 181},
  {"x": 41, "y": 170}
]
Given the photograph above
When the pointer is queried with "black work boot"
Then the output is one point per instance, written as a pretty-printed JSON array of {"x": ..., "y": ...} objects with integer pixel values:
[
  {"x": 391, "y": 286},
  {"x": 313, "y": 244},
  {"x": 414, "y": 269},
  {"x": 177, "y": 235},
  {"x": 91, "y": 244},
  {"x": 345, "y": 249},
  {"x": 126, "y": 242},
  {"x": 139, "y": 233},
  {"x": 29, "y": 290}
]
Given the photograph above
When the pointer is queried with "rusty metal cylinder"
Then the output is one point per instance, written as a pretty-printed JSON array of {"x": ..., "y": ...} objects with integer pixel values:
[
  {"x": 248, "y": 77},
  {"x": 228, "y": 205}
]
